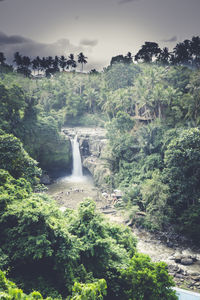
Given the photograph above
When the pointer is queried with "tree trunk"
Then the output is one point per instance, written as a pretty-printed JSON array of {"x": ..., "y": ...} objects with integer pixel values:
[
  {"x": 136, "y": 110},
  {"x": 159, "y": 111}
]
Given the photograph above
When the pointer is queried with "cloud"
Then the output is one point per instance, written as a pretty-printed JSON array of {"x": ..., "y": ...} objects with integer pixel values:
[
  {"x": 11, "y": 44},
  {"x": 126, "y": 1},
  {"x": 171, "y": 40},
  {"x": 13, "y": 39},
  {"x": 14, "y": 43},
  {"x": 87, "y": 42}
]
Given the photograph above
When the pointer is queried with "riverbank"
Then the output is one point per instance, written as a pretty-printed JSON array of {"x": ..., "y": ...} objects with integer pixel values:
[
  {"x": 186, "y": 276},
  {"x": 68, "y": 193}
]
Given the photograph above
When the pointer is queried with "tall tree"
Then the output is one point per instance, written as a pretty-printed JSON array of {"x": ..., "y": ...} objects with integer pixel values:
[
  {"x": 26, "y": 63},
  {"x": 182, "y": 53},
  {"x": 17, "y": 59},
  {"x": 82, "y": 59},
  {"x": 71, "y": 62},
  {"x": 195, "y": 49},
  {"x": 90, "y": 96},
  {"x": 148, "y": 51},
  {"x": 2, "y": 59},
  {"x": 36, "y": 64},
  {"x": 23, "y": 63},
  {"x": 164, "y": 56},
  {"x": 191, "y": 100},
  {"x": 63, "y": 62},
  {"x": 128, "y": 58},
  {"x": 43, "y": 64},
  {"x": 55, "y": 67}
]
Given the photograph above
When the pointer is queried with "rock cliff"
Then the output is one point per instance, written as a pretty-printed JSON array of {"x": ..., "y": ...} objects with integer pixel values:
[{"x": 93, "y": 144}]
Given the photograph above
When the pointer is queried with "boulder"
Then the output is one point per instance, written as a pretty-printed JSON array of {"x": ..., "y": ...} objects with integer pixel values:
[
  {"x": 194, "y": 273},
  {"x": 196, "y": 278},
  {"x": 186, "y": 261},
  {"x": 179, "y": 276},
  {"x": 45, "y": 179},
  {"x": 177, "y": 257}
]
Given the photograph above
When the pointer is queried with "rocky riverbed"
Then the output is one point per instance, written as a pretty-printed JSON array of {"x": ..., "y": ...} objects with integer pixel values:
[{"x": 183, "y": 262}]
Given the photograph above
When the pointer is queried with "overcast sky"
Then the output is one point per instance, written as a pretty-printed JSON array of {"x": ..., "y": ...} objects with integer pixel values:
[{"x": 99, "y": 28}]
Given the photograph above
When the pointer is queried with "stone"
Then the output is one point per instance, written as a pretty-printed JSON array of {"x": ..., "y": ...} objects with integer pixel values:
[
  {"x": 197, "y": 284},
  {"x": 186, "y": 261},
  {"x": 196, "y": 278},
  {"x": 194, "y": 273},
  {"x": 171, "y": 257},
  {"x": 173, "y": 268},
  {"x": 118, "y": 193},
  {"x": 45, "y": 179},
  {"x": 194, "y": 258},
  {"x": 179, "y": 276},
  {"x": 170, "y": 244},
  {"x": 177, "y": 257}
]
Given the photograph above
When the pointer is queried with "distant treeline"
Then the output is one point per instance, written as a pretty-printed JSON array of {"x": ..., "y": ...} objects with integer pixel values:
[
  {"x": 185, "y": 53},
  {"x": 48, "y": 65}
]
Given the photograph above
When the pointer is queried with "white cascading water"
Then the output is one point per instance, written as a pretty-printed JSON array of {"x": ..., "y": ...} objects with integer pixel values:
[{"x": 77, "y": 170}]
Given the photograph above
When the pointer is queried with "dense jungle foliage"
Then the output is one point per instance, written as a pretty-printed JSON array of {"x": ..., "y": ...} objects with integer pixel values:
[
  {"x": 149, "y": 110},
  {"x": 152, "y": 115},
  {"x": 74, "y": 253}
]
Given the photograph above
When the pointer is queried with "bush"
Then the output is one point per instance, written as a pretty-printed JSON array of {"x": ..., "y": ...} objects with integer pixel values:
[{"x": 16, "y": 160}]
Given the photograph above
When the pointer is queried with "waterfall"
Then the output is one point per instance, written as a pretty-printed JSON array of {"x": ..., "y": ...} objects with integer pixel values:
[{"x": 77, "y": 164}]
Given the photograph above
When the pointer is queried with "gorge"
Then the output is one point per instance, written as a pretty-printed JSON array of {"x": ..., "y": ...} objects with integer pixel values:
[
  {"x": 141, "y": 172},
  {"x": 69, "y": 191}
]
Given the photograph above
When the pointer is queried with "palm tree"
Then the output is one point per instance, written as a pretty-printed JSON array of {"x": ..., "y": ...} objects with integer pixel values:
[
  {"x": 17, "y": 59},
  {"x": 49, "y": 66},
  {"x": 36, "y": 63},
  {"x": 49, "y": 61},
  {"x": 26, "y": 62},
  {"x": 71, "y": 62},
  {"x": 55, "y": 67},
  {"x": 63, "y": 62},
  {"x": 128, "y": 58},
  {"x": 195, "y": 49},
  {"x": 43, "y": 64},
  {"x": 82, "y": 60},
  {"x": 23, "y": 63},
  {"x": 90, "y": 96},
  {"x": 2, "y": 59}
]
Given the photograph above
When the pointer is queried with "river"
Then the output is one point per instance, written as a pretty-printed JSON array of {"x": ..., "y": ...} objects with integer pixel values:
[{"x": 69, "y": 191}]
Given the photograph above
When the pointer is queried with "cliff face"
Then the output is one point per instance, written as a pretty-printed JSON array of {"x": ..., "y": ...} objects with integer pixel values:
[
  {"x": 60, "y": 157},
  {"x": 93, "y": 145}
]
